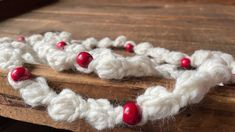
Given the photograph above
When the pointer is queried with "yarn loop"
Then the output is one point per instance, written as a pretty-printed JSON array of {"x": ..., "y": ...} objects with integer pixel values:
[{"x": 157, "y": 102}]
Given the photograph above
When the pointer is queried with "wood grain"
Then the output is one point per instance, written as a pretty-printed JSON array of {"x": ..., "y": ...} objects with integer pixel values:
[
  {"x": 183, "y": 25},
  {"x": 219, "y": 100}
]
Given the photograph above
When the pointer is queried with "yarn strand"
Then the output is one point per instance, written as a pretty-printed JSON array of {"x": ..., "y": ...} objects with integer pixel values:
[{"x": 212, "y": 68}]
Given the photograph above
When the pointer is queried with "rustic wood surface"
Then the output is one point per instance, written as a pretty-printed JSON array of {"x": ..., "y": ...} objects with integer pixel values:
[{"x": 183, "y": 25}]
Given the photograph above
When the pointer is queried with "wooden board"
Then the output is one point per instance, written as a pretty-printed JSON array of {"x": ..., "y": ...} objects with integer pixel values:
[{"x": 171, "y": 24}]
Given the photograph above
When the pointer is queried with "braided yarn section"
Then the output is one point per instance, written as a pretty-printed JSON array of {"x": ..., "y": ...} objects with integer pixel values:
[{"x": 212, "y": 68}]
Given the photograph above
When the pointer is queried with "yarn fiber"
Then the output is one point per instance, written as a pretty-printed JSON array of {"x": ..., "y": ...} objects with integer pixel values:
[{"x": 212, "y": 68}]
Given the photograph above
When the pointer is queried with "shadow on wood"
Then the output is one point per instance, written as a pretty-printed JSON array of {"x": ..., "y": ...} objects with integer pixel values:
[{"x": 11, "y": 8}]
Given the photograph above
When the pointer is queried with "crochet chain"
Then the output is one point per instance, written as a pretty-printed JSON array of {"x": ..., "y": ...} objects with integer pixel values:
[{"x": 211, "y": 69}]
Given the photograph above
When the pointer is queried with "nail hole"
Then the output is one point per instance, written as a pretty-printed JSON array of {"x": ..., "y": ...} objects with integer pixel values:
[{"x": 188, "y": 115}]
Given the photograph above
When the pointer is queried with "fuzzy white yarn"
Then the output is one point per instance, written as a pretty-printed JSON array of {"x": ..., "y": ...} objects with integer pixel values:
[{"x": 156, "y": 102}]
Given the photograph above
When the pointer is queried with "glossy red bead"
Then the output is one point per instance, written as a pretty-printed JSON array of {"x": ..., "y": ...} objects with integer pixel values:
[
  {"x": 83, "y": 59},
  {"x": 185, "y": 63},
  {"x": 131, "y": 113},
  {"x": 20, "y": 74},
  {"x": 20, "y": 38},
  {"x": 129, "y": 47},
  {"x": 61, "y": 45}
]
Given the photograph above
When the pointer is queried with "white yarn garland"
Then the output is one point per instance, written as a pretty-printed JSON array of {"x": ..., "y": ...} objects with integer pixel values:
[{"x": 156, "y": 102}]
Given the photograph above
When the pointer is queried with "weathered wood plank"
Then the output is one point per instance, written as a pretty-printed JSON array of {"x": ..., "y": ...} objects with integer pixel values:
[
  {"x": 221, "y": 99},
  {"x": 89, "y": 85},
  {"x": 183, "y": 25},
  {"x": 171, "y": 26}
]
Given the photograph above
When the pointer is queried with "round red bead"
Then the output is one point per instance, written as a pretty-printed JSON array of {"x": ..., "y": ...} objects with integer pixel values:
[
  {"x": 185, "y": 63},
  {"x": 20, "y": 38},
  {"x": 20, "y": 73},
  {"x": 129, "y": 47},
  {"x": 131, "y": 113},
  {"x": 61, "y": 45},
  {"x": 84, "y": 59}
]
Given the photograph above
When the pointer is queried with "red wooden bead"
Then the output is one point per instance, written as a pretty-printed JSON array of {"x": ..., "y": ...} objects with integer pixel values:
[
  {"x": 185, "y": 63},
  {"x": 20, "y": 74},
  {"x": 20, "y": 38},
  {"x": 131, "y": 113},
  {"x": 61, "y": 45},
  {"x": 83, "y": 59},
  {"x": 129, "y": 47}
]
